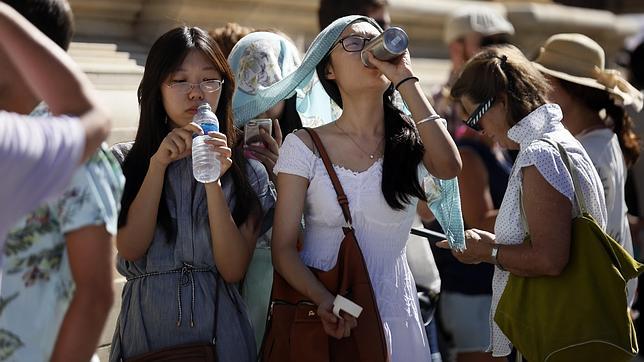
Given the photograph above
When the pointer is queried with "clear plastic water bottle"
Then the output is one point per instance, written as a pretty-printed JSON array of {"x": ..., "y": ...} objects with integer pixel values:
[{"x": 205, "y": 164}]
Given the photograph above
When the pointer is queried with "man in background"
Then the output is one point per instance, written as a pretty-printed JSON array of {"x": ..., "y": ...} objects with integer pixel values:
[{"x": 331, "y": 10}]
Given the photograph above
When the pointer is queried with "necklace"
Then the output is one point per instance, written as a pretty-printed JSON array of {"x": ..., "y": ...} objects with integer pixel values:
[{"x": 372, "y": 154}]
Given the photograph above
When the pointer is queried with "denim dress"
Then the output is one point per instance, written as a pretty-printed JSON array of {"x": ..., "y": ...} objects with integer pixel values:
[{"x": 169, "y": 296}]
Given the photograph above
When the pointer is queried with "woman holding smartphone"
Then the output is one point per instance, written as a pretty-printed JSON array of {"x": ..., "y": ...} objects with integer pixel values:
[{"x": 259, "y": 60}]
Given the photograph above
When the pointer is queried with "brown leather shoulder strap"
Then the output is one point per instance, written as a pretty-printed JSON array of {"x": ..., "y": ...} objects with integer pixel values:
[{"x": 342, "y": 198}]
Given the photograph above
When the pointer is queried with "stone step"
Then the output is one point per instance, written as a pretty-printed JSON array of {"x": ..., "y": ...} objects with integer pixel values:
[
  {"x": 99, "y": 54},
  {"x": 85, "y": 46},
  {"x": 107, "y": 65}
]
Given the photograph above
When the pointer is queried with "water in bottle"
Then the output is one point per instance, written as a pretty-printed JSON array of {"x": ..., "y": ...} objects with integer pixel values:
[{"x": 205, "y": 164}]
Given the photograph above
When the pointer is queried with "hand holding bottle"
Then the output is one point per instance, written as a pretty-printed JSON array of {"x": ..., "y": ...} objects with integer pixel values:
[
  {"x": 177, "y": 144},
  {"x": 219, "y": 144}
]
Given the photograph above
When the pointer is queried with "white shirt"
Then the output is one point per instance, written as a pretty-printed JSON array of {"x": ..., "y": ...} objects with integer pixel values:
[
  {"x": 38, "y": 157},
  {"x": 603, "y": 148},
  {"x": 544, "y": 122},
  {"x": 382, "y": 234}
]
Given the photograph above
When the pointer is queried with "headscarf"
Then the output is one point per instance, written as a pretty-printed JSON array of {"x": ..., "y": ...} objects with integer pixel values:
[
  {"x": 443, "y": 195},
  {"x": 262, "y": 59}
]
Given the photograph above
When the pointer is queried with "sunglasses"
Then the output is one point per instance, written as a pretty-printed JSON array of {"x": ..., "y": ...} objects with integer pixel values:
[{"x": 475, "y": 117}]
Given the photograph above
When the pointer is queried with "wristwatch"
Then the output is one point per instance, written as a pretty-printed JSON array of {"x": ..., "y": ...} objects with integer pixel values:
[{"x": 495, "y": 253}]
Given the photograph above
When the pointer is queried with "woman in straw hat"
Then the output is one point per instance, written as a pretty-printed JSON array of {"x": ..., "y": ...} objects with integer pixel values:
[
  {"x": 505, "y": 97},
  {"x": 593, "y": 101}
]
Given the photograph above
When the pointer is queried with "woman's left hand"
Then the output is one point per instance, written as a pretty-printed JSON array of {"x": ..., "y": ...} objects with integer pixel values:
[
  {"x": 478, "y": 247},
  {"x": 219, "y": 144},
  {"x": 395, "y": 70}
]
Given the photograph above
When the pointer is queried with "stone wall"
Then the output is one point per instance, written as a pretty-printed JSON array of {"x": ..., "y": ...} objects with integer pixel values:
[{"x": 144, "y": 21}]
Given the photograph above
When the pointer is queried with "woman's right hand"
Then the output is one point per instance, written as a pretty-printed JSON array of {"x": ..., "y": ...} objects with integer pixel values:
[
  {"x": 334, "y": 326},
  {"x": 268, "y": 154},
  {"x": 177, "y": 144}
]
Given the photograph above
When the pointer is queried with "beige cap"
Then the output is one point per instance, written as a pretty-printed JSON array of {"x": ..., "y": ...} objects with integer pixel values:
[
  {"x": 475, "y": 19},
  {"x": 579, "y": 59}
]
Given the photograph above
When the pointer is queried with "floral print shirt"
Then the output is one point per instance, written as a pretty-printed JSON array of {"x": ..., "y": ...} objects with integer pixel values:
[{"x": 37, "y": 285}]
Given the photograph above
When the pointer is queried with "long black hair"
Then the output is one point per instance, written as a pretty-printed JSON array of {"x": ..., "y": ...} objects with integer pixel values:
[
  {"x": 403, "y": 147},
  {"x": 165, "y": 57},
  {"x": 290, "y": 120}
]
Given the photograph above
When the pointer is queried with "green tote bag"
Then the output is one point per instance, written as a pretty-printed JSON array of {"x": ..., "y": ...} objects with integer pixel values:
[{"x": 582, "y": 314}]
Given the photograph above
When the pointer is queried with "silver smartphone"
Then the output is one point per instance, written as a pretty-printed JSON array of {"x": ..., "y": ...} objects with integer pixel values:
[{"x": 251, "y": 131}]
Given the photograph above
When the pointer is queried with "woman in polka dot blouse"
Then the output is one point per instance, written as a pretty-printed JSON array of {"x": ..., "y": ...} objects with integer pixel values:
[{"x": 505, "y": 98}]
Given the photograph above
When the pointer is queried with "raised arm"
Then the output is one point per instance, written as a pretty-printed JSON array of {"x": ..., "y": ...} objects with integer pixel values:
[
  {"x": 474, "y": 187},
  {"x": 441, "y": 156},
  {"x": 232, "y": 245},
  {"x": 53, "y": 76}
]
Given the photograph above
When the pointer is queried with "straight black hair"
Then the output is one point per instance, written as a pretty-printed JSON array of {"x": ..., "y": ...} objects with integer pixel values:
[{"x": 290, "y": 120}]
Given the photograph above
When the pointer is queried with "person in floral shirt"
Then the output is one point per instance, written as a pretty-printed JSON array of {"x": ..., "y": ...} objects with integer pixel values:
[
  {"x": 57, "y": 282},
  {"x": 57, "y": 272}
]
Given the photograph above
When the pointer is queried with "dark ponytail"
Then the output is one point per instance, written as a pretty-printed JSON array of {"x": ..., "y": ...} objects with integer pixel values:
[
  {"x": 629, "y": 141},
  {"x": 403, "y": 148},
  {"x": 618, "y": 119}
]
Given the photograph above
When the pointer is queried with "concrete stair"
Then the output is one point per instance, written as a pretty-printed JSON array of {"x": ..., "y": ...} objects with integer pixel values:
[{"x": 115, "y": 67}]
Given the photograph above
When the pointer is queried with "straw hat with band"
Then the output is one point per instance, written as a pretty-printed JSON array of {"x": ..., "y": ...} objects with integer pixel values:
[{"x": 578, "y": 59}]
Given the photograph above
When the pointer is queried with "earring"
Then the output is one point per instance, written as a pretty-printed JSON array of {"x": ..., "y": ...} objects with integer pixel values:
[{"x": 165, "y": 121}]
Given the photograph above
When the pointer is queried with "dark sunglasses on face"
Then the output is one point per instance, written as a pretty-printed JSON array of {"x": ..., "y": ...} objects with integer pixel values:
[
  {"x": 353, "y": 43},
  {"x": 475, "y": 117}
]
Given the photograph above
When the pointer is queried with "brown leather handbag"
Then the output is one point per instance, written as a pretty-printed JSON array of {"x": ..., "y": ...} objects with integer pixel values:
[
  {"x": 194, "y": 352},
  {"x": 294, "y": 331}
]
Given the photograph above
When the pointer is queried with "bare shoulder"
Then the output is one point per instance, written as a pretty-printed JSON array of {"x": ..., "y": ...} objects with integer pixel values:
[
  {"x": 322, "y": 131},
  {"x": 304, "y": 136},
  {"x": 538, "y": 189}
]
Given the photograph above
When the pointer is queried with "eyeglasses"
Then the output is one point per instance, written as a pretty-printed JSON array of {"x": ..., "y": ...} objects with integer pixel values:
[
  {"x": 207, "y": 86},
  {"x": 352, "y": 43},
  {"x": 475, "y": 117}
]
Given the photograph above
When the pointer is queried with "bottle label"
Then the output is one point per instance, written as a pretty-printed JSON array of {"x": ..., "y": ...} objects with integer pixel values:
[{"x": 209, "y": 127}]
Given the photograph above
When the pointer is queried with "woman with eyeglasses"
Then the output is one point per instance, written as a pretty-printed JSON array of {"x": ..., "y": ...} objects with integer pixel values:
[
  {"x": 505, "y": 97},
  {"x": 182, "y": 245},
  {"x": 381, "y": 157}
]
